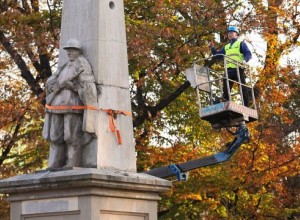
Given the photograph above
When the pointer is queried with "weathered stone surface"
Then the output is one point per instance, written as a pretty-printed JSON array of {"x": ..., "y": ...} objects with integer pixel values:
[
  {"x": 85, "y": 194},
  {"x": 81, "y": 177}
]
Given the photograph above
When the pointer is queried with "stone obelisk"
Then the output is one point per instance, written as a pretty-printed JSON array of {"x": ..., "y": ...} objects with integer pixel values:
[
  {"x": 100, "y": 27},
  {"x": 107, "y": 187}
]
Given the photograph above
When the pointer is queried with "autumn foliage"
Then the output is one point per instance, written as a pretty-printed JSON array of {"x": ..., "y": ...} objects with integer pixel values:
[{"x": 261, "y": 181}]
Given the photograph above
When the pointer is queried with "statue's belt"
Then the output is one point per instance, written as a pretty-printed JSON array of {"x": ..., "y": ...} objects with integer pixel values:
[{"x": 112, "y": 115}]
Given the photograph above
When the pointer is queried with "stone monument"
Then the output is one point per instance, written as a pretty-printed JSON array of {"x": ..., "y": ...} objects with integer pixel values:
[
  {"x": 70, "y": 122},
  {"x": 92, "y": 164},
  {"x": 100, "y": 28}
]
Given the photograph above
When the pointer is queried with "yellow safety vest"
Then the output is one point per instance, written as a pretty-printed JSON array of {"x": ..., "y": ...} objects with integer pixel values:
[{"x": 233, "y": 51}]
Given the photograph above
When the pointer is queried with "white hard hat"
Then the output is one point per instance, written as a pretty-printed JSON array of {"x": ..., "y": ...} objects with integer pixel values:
[{"x": 72, "y": 43}]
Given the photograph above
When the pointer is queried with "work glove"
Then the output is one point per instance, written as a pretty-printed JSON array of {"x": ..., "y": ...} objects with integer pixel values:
[
  {"x": 211, "y": 44},
  {"x": 244, "y": 63}
]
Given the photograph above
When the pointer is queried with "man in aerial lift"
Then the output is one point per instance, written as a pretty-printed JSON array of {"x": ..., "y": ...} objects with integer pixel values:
[
  {"x": 223, "y": 115},
  {"x": 239, "y": 51}
]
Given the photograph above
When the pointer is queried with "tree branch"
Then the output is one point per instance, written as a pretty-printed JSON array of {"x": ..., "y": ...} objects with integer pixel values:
[
  {"x": 26, "y": 7},
  {"x": 10, "y": 144},
  {"x": 25, "y": 72},
  {"x": 45, "y": 67},
  {"x": 151, "y": 112},
  {"x": 34, "y": 61},
  {"x": 3, "y": 6},
  {"x": 35, "y": 5}
]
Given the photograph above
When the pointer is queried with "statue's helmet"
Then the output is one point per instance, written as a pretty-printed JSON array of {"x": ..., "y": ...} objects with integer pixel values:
[{"x": 73, "y": 43}]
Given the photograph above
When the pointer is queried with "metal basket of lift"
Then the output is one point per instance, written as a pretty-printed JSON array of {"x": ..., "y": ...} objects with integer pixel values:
[{"x": 209, "y": 83}]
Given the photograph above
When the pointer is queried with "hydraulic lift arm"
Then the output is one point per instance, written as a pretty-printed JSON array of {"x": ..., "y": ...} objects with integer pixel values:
[{"x": 241, "y": 136}]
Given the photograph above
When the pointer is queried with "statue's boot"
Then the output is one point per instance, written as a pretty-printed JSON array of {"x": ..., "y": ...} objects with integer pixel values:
[
  {"x": 57, "y": 158},
  {"x": 74, "y": 156}
]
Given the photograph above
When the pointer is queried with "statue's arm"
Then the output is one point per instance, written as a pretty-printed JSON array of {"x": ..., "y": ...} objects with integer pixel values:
[
  {"x": 87, "y": 89},
  {"x": 88, "y": 95},
  {"x": 51, "y": 83},
  {"x": 86, "y": 84}
]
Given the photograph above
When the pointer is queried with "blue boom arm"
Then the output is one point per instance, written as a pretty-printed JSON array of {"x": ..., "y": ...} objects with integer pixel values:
[{"x": 179, "y": 170}]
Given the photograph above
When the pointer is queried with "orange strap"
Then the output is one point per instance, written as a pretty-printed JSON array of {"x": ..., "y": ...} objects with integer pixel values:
[
  {"x": 112, "y": 124},
  {"x": 110, "y": 112},
  {"x": 70, "y": 107}
]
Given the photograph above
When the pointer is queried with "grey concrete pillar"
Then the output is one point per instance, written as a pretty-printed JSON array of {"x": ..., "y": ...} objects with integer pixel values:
[{"x": 100, "y": 26}]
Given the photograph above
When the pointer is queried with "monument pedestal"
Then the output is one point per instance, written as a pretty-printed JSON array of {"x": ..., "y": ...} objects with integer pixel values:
[{"x": 84, "y": 194}]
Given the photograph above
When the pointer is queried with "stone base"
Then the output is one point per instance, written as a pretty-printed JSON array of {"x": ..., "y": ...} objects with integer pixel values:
[{"x": 84, "y": 194}]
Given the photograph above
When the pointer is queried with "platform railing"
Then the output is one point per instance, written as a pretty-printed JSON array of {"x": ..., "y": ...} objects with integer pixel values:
[{"x": 224, "y": 78}]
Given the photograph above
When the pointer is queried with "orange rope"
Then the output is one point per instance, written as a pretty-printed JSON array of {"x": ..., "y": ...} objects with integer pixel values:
[
  {"x": 112, "y": 124},
  {"x": 110, "y": 112},
  {"x": 70, "y": 107}
]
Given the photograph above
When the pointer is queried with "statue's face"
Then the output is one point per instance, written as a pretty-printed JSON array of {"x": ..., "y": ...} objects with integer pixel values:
[{"x": 73, "y": 53}]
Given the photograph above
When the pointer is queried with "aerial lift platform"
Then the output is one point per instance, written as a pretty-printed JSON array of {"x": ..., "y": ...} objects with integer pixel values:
[
  {"x": 218, "y": 112},
  {"x": 213, "y": 108}
]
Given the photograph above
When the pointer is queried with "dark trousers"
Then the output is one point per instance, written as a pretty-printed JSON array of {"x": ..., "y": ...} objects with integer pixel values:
[{"x": 232, "y": 74}]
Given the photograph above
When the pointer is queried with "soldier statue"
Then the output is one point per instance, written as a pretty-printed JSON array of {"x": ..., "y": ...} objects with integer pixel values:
[{"x": 70, "y": 122}]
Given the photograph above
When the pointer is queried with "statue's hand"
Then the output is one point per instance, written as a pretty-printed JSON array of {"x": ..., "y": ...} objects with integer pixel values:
[
  {"x": 52, "y": 86},
  {"x": 69, "y": 85}
]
